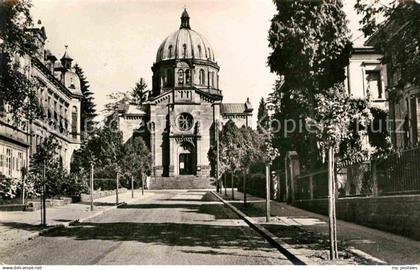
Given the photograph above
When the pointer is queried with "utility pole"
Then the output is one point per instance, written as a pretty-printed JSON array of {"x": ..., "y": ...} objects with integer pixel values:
[
  {"x": 91, "y": 186},
  {"x": 331, "y": 206},
  {"x": 267, "y": 191}
]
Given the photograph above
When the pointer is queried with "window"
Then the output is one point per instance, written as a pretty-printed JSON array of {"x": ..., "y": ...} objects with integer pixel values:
[
  {"x": 170, "y": 51},
  {"x": 170, "y": 74},
  {"x": 184, "y": 50},
  {"x": 1, "y": 160},
  {"x": 74, "y": 122},
  {"x": 202, "y": 77},
  {"x": 199, "y": 51},
  {"x": 209, "y": 54},
  {"x": 21, "y": 161},
  {"x": 9, "y": 164},
  {"x": 374, "y": 87},
  {"x": 164, "y": 77},
  {"x": 185, "y": 121},
  {"x": 188, "y": 76},
  {"x": 180, "y": 77}
]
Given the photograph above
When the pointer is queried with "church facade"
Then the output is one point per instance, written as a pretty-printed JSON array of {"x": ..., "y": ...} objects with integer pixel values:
[{"x": 184, "y": 106}]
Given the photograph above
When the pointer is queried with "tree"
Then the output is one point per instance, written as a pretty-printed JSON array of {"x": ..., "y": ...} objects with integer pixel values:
[
  {"x": 262, "y": 117},
  {"x": 138, "y": 93},
  {"x": 311, "y": 47},
  {"x": 137, "y": 158},
  {"x": 397, "y": 36},
  {"x": 87, "y": 105},
  {"x": 18, "y": 89}
]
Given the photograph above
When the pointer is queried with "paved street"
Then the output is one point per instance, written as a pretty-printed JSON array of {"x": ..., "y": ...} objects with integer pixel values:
[
  {"x": 387, "y": 247},
  {"x": 168, "y": 227}
]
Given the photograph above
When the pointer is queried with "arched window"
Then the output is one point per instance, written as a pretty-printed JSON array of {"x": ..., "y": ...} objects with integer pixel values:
[
  {"x": 202, "y": 77},
  {"x": 184, "y": 50},
  {"x": 74, "y": 122},
  {"x": 170, "y": 77},
  {"x": 199, "y": 51},
  {"x": 212, "y": 78},
  {"x": 180, "y": 77},
  {"x": 165, "y": 77},
  {"x": 170, "y": 51},
  {"x": 188, "y": 76}
]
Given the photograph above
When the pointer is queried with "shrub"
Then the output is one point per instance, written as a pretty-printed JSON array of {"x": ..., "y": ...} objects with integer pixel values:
[{"x": 9, "y": 187}]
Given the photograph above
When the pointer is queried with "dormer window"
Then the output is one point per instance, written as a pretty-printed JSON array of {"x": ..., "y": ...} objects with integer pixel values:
[
  {"x": 170, "y": 51},
  {"x": 184, "y": 50},
  {"x": 209, "y": 54},
  {"x": 199, "y": 51}
]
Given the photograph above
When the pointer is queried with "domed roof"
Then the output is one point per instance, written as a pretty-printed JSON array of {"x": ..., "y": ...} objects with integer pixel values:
[{"x": 185, "y": 44}]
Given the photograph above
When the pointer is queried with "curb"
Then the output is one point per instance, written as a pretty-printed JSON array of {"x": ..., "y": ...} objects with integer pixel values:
[
  {"x": 70, "y": 223},
  {"x": 291, "y": 253}
]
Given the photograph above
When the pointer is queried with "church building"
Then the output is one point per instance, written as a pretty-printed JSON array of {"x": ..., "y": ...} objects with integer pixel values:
[{"x": 183, "y": 108}]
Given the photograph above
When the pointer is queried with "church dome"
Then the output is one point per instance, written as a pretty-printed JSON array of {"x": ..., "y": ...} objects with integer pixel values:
[{"x": 185, "y": 44}]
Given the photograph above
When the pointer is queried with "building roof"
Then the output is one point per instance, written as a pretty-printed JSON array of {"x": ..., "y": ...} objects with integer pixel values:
[
  {"x": 185, "y": 43},
  {"x": 130, "y": 109},
  {"x": 234, "y": 108}
]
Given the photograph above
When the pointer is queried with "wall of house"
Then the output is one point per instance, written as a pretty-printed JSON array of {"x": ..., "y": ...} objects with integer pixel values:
[{"x": 360, "y": 83}]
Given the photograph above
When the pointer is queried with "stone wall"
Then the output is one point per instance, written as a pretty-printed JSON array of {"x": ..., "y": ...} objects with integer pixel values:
[
  {"x": 101, "y": 194},
  {"x": 396, "y": 214}
]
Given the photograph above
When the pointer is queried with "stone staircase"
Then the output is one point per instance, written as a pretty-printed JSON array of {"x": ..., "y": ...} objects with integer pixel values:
[{"x": 181, "y": 182}]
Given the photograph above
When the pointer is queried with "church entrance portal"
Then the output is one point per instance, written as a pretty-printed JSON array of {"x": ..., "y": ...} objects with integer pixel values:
[{"x": 186, "y": 159}]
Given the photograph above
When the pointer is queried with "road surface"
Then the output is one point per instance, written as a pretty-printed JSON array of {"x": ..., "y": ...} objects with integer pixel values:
[{"x": 169, "y": 227}]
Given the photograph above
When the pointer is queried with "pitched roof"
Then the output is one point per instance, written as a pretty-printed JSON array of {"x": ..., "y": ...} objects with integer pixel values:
[{"x": 232, "y": 108}]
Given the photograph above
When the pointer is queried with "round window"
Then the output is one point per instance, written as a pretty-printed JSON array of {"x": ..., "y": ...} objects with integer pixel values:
[{"x": 185, "y": 121}]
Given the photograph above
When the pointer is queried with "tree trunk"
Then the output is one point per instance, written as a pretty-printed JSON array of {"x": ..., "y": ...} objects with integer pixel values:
[
  {"x": 232, "y": 183},
  {"x": 331, "y": 206},
  {"x": 132, "y": 187},
  {"x": 91, "y": 187},
  {"x": 116, "y": 190},
  {"x": 244, "y": 187},
  {"x": 267, "y": 192}
]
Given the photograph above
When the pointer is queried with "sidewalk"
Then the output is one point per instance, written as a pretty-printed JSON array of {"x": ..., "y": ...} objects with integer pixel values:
[
  {"x": 16, "y": 226},
  {"x": 386, "y": 247}
]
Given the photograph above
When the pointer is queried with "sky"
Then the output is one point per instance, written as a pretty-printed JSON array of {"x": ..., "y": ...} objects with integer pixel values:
[{"x": 115, "y": 41}]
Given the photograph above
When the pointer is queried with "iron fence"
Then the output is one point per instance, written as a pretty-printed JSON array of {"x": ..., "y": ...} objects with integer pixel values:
[
  {"x": 395, "y": 174},
  {"x": 399, "y": 173}
]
